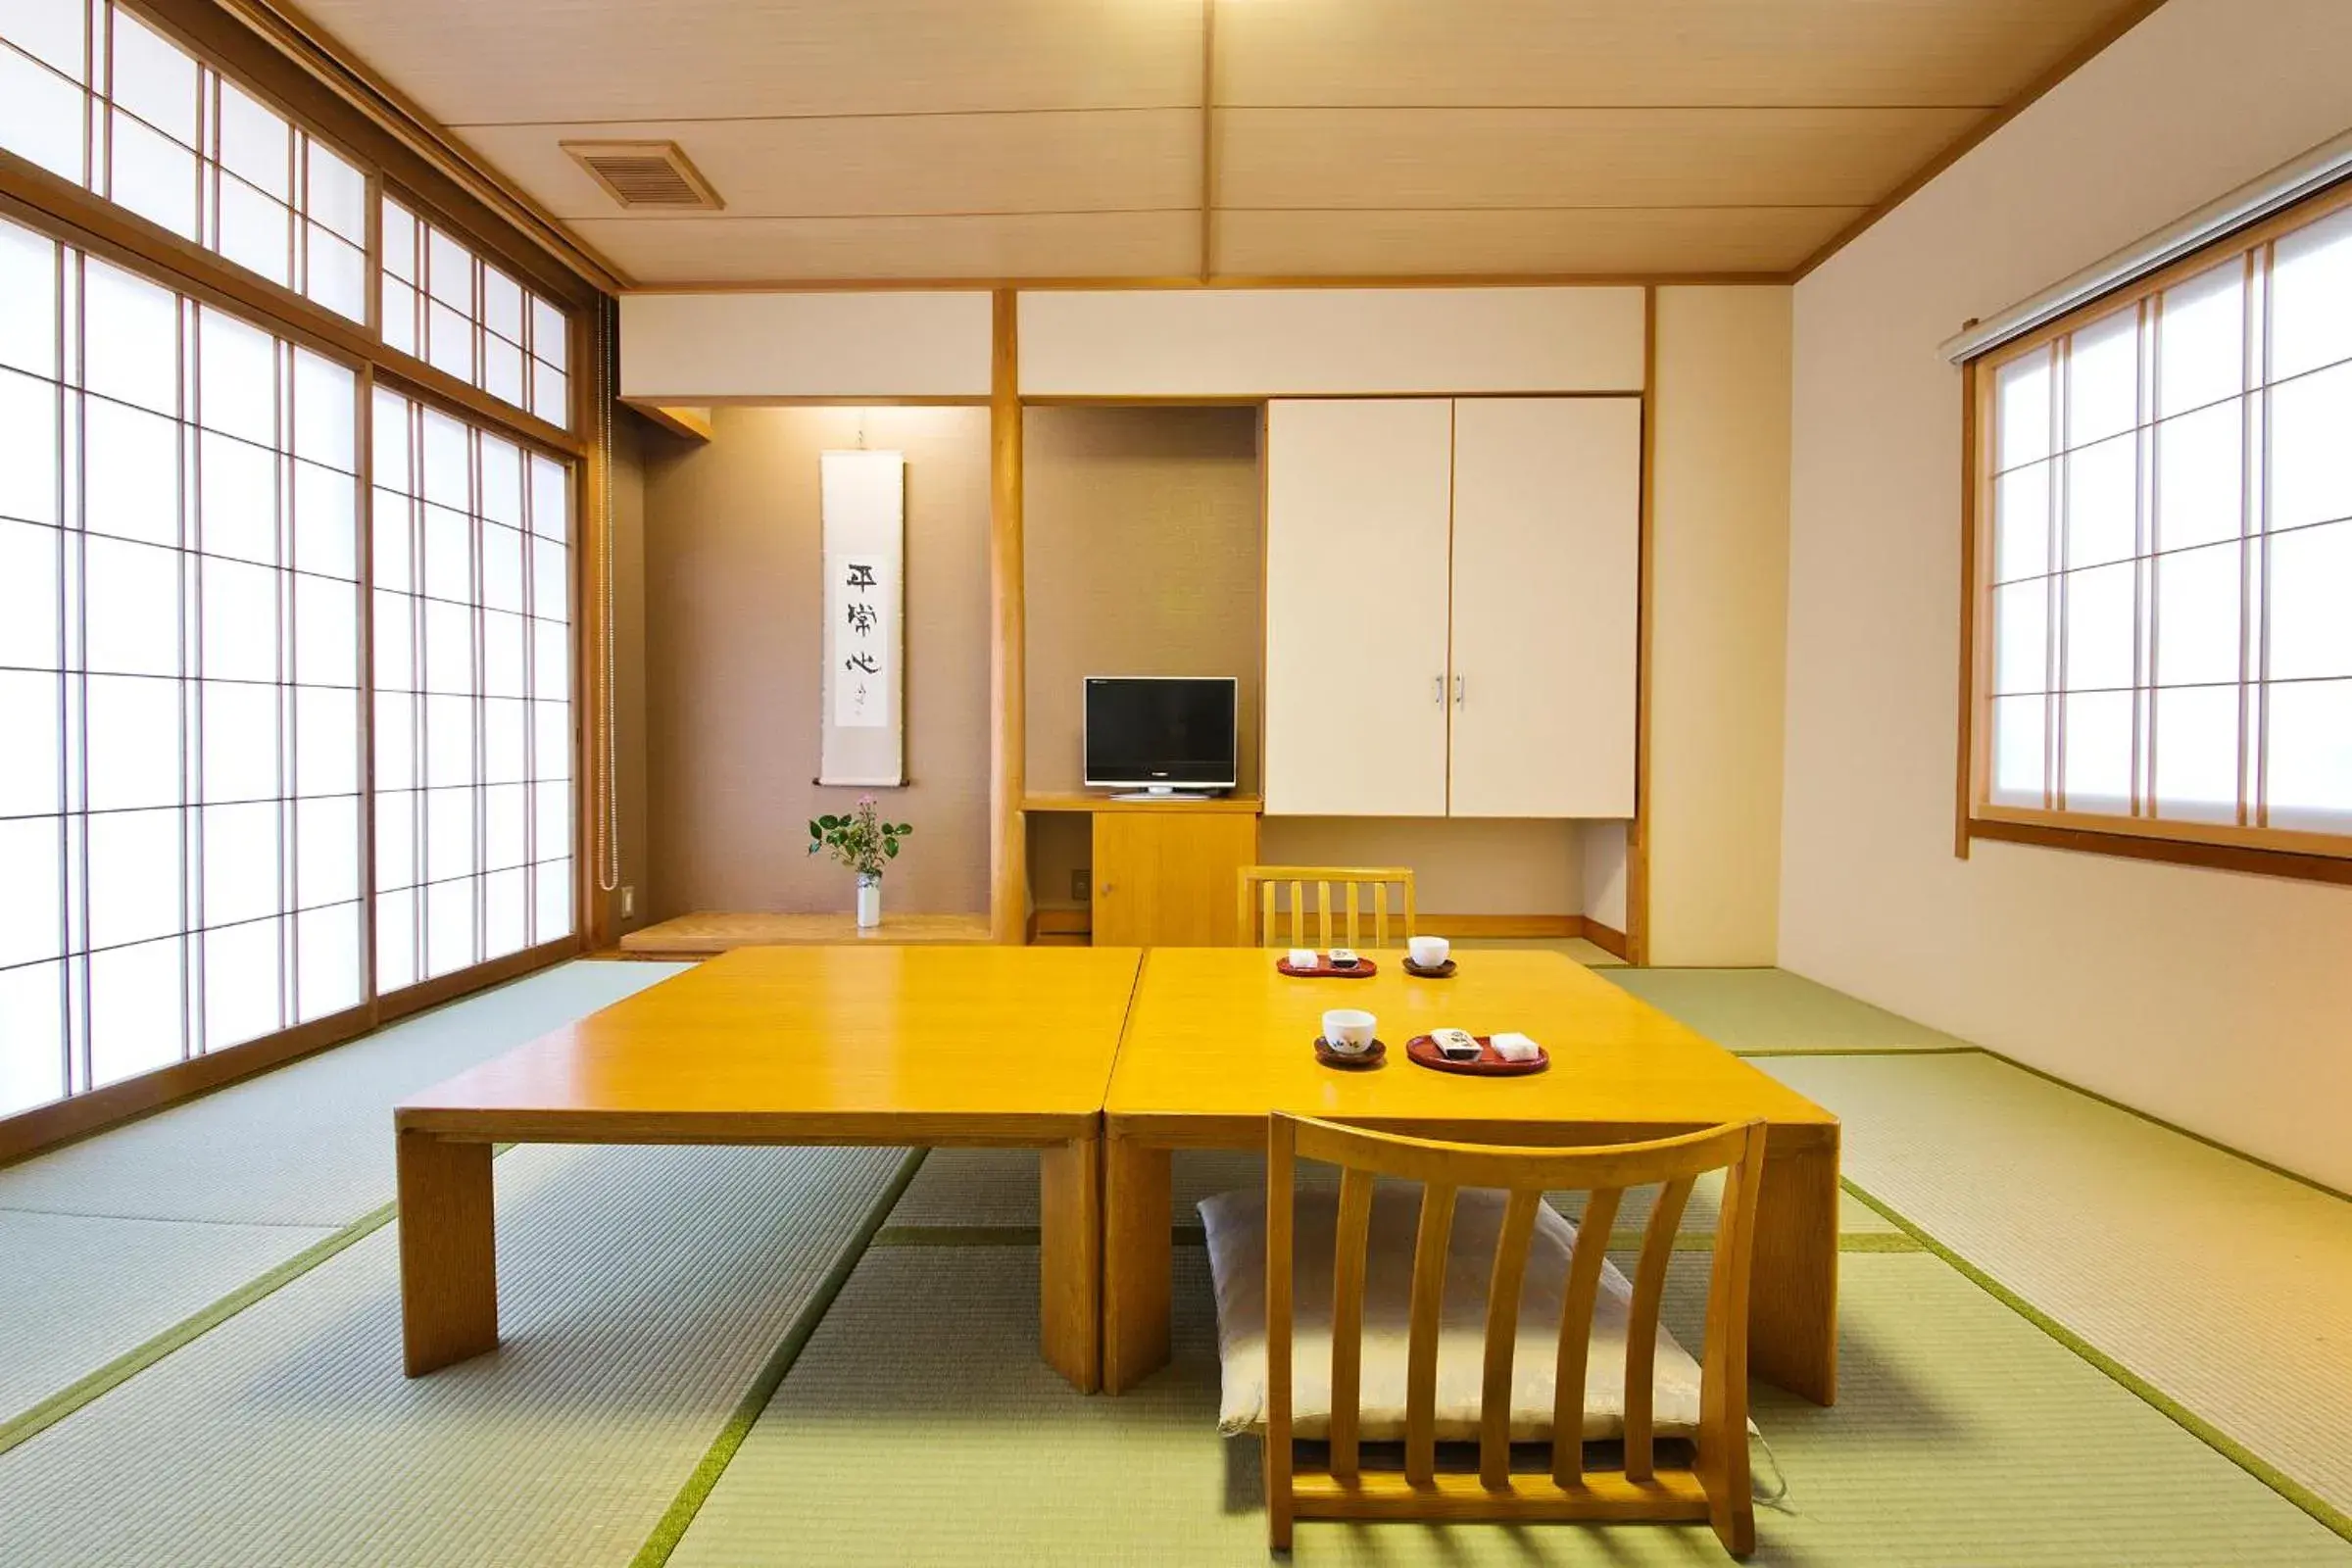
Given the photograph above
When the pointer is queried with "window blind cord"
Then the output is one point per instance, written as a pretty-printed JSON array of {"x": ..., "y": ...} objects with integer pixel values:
[{"x": 608, "y": 814}]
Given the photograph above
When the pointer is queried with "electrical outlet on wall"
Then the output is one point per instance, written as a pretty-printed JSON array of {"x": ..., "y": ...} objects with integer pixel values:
[
  {"x": 628, "y": 904},
  {"x": 1081, "y": 880}
]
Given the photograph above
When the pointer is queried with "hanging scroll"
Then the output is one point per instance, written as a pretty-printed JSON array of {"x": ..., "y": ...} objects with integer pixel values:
[{"x": 863, "y": 498}]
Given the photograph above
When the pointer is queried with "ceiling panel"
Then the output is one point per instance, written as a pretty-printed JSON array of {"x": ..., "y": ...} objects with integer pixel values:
[
  {"x": 1401, "y": 158},
  {"x": 1079, "y": 161},
  {"x": 1592, "y": 52},
  {"x": 1602, "y": 241},
  {"x": 471, "y": 62},
  {"x": 759, "y": 250}
]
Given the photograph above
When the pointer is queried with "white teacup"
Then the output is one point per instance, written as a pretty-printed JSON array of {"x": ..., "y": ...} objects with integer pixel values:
[
  {"x": 1349, "y": 1030},
  {"x": 1303, "y": 958},
  {"x": 1429, "y": 952}
]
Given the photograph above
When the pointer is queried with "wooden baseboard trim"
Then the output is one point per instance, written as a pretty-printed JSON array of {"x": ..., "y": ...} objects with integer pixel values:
[
  {"x": 66, "y": 1121},
  {"x": 1500, "y": 925},
  {"x": 1608, "y": 939},
  {"x": 63, "y": 1121}
]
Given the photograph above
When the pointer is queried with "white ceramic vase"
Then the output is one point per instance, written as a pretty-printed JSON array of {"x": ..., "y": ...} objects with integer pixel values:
[{"x": 869, "y": 900}]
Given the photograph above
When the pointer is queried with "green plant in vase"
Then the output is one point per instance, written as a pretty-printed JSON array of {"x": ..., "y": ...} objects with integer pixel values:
[{"x": 865, "y": 842}]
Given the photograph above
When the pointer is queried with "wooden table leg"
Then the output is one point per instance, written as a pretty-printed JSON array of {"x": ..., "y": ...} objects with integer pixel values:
[
  {"x": 1137, "y": 1258},
  {"x": 448, "y": 1252},
  {"x": 1792, "y": 1293},
  {"x": 1070, "y": 1260}
]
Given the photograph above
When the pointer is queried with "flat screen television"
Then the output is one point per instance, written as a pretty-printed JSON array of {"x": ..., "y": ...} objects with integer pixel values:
[{"x": 1161, "y": 733}]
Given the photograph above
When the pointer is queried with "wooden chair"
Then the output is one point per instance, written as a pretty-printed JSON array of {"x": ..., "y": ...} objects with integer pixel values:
[
  {"x": 1261, "y": 883},
  {"x": 1715, "y": 1486}
]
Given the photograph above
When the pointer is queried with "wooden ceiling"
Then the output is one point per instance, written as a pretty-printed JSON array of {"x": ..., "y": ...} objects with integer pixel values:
[{"x": 889, "y": 140}]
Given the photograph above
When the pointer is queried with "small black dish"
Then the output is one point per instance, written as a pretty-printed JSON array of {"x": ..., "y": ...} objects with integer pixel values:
[
  {"x": 1350, "y": 1064},
  {"x": 1444, "y": 971}
]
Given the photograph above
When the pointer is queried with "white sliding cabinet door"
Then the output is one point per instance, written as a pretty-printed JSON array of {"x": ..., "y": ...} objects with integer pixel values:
[
  {"x": 1356, "y": 498},
  {"x": 1547, "y": 594}
]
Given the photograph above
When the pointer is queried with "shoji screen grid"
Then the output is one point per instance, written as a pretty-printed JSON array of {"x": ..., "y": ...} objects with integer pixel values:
[
  {"x": 473, "y": 740},
  {"x": 94, "y": 94},
  {"x": 2170, "y": 571},
  {"x": 179, "y": 674}
]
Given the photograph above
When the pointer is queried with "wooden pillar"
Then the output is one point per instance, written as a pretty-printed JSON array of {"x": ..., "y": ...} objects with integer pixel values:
[
  {"x": 1637, "y": 832},
  {"x": 1008, "y": 664}
]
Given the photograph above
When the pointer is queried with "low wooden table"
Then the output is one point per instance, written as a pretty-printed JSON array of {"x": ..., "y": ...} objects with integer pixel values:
[
  {"x": 982, "y": 1046},
  {"x": 1216, "y": 1040}
]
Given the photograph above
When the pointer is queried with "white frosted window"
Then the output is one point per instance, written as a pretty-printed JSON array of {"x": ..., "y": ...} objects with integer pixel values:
[
  {"x": 506, "y": 913},
  {"x": 154, "y": 79},
  {"x": 329, "y": 972},
  {"x": 459, "y": 314},
  {"x": 2196, "y": 753},
  {"x": 131, "y": 338},
  {"x": 256, "y": 143},
  {"x": 132, "y": 743},
  {"x": 28, "y": 452},
  {"x": 240, "y": 741},
  {"x": 29, "y": 322},
  {"x": 2311, "y": 297},
  {"x": 326, "y": 746},
  {"x": 2311, "y": 457},
  {"x": 449, "y": 941},
  {"x": 33, "y": 850},
  {"x": 242, "y": 868},
  {"x": 32, "y": 1043},
  {"x": 326, "y": 850},
  {"x": 41, "y": 116},
  {"x": 325, "y": 522},
  {"x": 31, "y": 717},
  {"x": 28, "y": 595},
  {"x": 2311, "y": 602},
  {"x": 242, "y": 976},
  {"x": 553, "y": 915},
  {"x": 488, "y": 744},
  {"x": 2175, "y": 470},
  {"x": 257, "y": 232},
  {"x": 396, "y": 956},
  {"x": 2310, "y": 756},
  {"x": 137, "y": 1015},
  {"x": 240, "y": 620},
  {"x": 134, "y": 875},
  {"x": 237, "y": 499},
  {"x": 130, "y": 481},
  {"x": 130, "y": 608}
]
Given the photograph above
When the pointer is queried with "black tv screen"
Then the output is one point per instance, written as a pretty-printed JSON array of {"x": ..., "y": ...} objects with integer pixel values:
[{"x": 1161, "y": 733}]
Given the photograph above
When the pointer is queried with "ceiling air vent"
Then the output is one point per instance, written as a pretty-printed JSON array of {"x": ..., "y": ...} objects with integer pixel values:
[{"x": 645, "y": 173}]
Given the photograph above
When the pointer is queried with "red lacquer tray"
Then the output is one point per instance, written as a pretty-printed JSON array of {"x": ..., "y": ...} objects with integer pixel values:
[
  {"x": 1424, "y": 1052},
  {"x": 1364, "y": 969}
]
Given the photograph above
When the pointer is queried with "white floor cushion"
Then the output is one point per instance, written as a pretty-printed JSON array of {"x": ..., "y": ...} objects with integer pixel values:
[{"x": 1237, "y": 1257}]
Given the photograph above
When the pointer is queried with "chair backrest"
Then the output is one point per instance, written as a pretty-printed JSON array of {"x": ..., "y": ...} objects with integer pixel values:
[
  {"x": 1366, "y": 899},
  {"x": 1526, "y": 1175}
]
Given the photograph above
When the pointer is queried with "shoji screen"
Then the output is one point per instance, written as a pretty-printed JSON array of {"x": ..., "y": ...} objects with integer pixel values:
[
  {"x": 179, "y": 677},
  {"x": 473, "y": 627}
]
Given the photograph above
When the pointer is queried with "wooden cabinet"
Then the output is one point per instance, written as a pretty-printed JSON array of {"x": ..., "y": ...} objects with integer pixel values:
[
  {"x": 1168, "y": 877},
  {"x": 1452, "y": 593},
  {"x": 1547, "y": 573},
  {"x": 1357, "y": 512}
]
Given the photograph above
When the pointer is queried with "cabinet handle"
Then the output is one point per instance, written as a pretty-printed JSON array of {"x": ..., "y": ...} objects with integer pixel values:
[
  {"x": 1438, "y": 695},
  {"x": 1458, "y": 691},
  {"x": 1105, "y": 890}
]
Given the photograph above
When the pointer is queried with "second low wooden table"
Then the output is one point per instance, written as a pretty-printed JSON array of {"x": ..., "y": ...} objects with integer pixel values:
[
  {"x": 1216, "y": 1040},
  {"x": 959, "y": 1045}
]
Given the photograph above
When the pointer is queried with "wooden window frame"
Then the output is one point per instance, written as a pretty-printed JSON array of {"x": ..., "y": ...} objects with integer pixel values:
[
  {"x": 2246, "y": 846},
  {"x": 73, "y": 214}
]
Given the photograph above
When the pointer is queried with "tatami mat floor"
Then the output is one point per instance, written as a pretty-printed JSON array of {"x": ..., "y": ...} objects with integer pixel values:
[{"x": 2038, "y": 1365}]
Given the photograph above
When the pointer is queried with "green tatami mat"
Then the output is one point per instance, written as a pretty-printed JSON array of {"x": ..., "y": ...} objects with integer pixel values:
[
  {"x": 75, "y": 1291},
  {"x": 310, "y": 1143},
  {"x": 641, "y": 1290},
  {"x": 2225, "y": 1286},
  {"x": 1774, "y": 1010},
  {"x": 998, "y": 1187},
  {"x": 1965, "y": 1436}
]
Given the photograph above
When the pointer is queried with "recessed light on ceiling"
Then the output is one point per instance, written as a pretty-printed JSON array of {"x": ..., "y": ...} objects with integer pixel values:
[{"x": 645, "y": 174}]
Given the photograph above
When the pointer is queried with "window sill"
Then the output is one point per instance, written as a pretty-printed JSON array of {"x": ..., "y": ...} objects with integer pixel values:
[{"x": 2266, "y": 859}]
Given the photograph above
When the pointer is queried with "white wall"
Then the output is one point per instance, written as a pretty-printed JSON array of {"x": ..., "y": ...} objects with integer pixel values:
[
  {"x": 849, "y": 343},
  {"x": 2217, "y": 1001},
  {"x": 1718, "y": 617}
]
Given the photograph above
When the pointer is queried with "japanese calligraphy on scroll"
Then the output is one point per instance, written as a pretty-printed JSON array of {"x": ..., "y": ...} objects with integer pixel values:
[{"x": 864, "y": 511}]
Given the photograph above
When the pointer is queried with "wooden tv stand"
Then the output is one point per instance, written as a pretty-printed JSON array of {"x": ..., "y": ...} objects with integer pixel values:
[{"x": 1165, "y": 871}]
